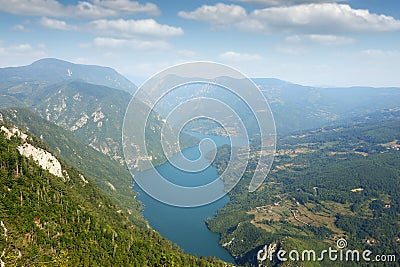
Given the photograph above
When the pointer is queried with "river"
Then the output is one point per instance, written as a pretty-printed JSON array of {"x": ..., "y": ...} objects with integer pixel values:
[{"x": 185, "y": 226}]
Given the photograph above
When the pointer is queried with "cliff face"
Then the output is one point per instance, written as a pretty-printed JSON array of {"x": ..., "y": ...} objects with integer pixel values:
[{"x": 45, "y": 159}]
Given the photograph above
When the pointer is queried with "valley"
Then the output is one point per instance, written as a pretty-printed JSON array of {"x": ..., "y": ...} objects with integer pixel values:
[
  {"x": 218, "y": 133},
  {"x": 335, "y": 174}
]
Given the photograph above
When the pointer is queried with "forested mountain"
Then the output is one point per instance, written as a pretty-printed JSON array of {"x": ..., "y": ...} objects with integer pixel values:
[
  {"x": 109, "y": 175},
  {"x": 93, "y": 113},
  {"x": 296, "y": 107},
  {"x": 90, "y": 102},
  {"x": 325, "y": 184},
  {"x": 50, "y": 71},
  {"x": 81, "y": 104},
  {"x": 92, "y": 105},
  {"x": 53, "y": 214}
]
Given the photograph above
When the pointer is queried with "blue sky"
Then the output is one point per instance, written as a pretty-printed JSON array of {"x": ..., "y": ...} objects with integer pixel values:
[{"x": 311, "y": 42}]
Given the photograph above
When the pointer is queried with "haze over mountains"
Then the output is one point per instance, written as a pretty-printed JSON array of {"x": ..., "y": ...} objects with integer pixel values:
[
  {"x": 297, "y": 107},
  {"x": 51, "y": 70},
  {"x": 91, "y": 100}
]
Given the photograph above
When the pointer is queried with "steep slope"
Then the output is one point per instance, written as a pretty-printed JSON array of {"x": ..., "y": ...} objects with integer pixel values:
[
  {"x": 61, "y": 218},
  {"x": 94, "y": 113},
  {"x": 50, "y": 70},
  {"x": 110, "y": 176}
]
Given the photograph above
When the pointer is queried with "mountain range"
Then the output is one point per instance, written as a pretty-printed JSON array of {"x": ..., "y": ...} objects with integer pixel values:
[
  {"x": 51, "y": 71},
  {"x": 76, "y": 112},
  {"x": 296, "y": 107},
  {"x": 91, "y": 102}
]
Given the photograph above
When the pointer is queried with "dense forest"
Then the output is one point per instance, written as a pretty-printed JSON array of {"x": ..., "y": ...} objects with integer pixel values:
[
  {"x": 326, "y": 184},
  {"x": 48, "y": 220}
]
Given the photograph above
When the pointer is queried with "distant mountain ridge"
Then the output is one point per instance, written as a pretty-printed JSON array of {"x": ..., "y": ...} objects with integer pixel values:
[
  {"x": 297, "y": 107},
  {"x": 51, "y": 70},
  {"x": 85, "y": 100}
]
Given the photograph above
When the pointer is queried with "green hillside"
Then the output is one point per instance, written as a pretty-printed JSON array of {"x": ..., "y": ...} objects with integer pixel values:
[
  {"x": 325, "y": 184},
  {"x": 91, "y": 163},
  {"x": 48, "y": 220}
]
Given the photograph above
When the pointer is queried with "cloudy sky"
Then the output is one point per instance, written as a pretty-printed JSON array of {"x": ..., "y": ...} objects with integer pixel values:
[{"x": 311, "y": 42}]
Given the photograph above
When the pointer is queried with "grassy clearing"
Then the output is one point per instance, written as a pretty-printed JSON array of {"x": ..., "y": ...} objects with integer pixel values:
[{"x": 278, "y": 218}]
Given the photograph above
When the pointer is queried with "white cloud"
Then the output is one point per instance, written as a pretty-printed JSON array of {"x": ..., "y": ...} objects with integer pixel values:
[
  {"x": 286, "y": 2},
  {"x": 21, "y": 48},
  {"x": 56, "y": 24},
  {"x": 319, "y": 39},
  {"x": 291, "y": 50},
  {"x": 132, "y": 44},
  {"x": 220, "y": 15},
  {"x": 19, "y": 27},
  {"x": 137, "y": 34},
  {"x": 129, "y": 6},
  {"x": 140, "y": 34},
  {"x": 187, "y": 53},
  {"x": 31, "y": 7},
  {"x": 238, "y": 57},
  {"x": 319, "y": 18},
  {"x": 325, "y": 18},
  {"x": 86, "y": 9},
  {"x": 19, "y": 54},
  {"x": 89, "y": 10},
  {"x": 131, "y": 28},
  {"x": 381, "y": 53}
]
